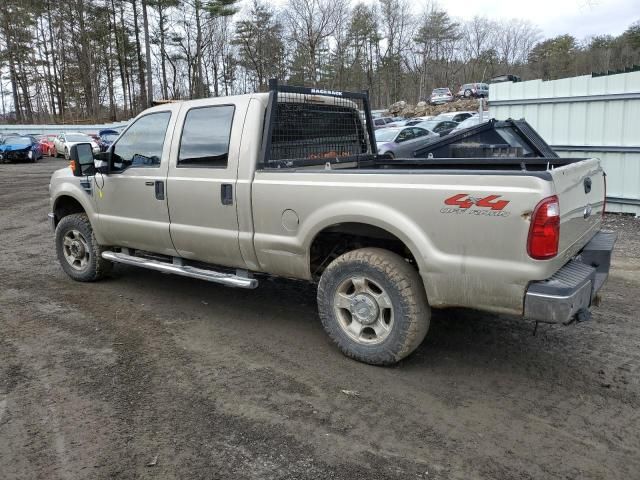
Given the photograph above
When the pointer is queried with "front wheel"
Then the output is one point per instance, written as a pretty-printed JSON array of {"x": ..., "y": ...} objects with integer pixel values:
[
  {"x": 373, "y": 305},
  {"x": 78, "y": 251}
]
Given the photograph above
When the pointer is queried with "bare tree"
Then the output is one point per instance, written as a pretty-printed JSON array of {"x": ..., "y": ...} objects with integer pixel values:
[{"x": 310, "y": 24}]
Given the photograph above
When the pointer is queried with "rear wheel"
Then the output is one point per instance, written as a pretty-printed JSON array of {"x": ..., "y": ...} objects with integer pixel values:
[
  {"x": 373, "y": 305},
  {"x": 78, "y": 251},
  {"x": 467, "y": 93}
]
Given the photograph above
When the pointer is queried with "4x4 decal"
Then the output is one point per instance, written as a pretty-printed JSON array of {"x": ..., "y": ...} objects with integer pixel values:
[
  {"x": 486, "y": 206},
  {"x": 463, "y": 200}
]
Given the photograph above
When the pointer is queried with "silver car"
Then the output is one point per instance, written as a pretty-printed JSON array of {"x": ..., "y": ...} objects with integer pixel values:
[
  {"x": 402, "y": 141},
  {"x": 440, "y": 96}
]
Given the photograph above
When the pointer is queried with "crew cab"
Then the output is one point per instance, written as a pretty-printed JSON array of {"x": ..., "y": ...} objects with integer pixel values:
[{"x": 289, "y": 183}]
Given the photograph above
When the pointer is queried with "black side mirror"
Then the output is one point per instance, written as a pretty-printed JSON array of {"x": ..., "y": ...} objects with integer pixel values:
[{"x": 81, "y": 157}]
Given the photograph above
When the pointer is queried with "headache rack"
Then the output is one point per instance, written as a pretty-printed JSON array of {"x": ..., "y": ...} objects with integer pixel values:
[{"x": 312, "y": 126}]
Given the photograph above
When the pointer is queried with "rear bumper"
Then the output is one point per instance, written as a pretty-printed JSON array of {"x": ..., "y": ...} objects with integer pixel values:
[{"x": 572, "y": 289}]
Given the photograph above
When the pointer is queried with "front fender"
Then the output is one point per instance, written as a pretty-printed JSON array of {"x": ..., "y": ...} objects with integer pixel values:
[{"x": 64, "y": 184}]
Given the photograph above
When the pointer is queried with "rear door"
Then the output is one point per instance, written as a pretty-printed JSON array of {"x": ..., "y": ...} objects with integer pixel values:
[
  {"x": 202, "y": 181},
  {"x": 580, "y": 190}
]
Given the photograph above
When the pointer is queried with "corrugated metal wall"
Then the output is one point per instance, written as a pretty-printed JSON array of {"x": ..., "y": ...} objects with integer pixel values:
[{"x": 584, "y": 117}]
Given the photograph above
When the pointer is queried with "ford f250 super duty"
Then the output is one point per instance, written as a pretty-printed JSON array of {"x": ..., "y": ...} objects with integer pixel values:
[{"x": 289, "y": 183}]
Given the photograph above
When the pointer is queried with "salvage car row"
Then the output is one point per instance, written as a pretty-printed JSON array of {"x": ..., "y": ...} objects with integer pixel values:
[{"x": 31, "y": 148}]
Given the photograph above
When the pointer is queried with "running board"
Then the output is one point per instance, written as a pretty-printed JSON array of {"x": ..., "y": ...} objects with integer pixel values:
[{"x": 186, "y": 271}]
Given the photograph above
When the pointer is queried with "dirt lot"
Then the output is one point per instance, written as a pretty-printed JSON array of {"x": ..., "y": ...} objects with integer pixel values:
[{"x": 104, "y": 380}]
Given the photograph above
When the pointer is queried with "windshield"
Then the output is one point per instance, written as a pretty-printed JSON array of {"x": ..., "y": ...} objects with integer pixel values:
[
  {"x": 109, "y": 137},
  {"x": 469, "y": 122},
  {"x": 19, "y": 141},
  {"x": 386, "y": 134},
  {"x": 78, "y": 137},
  {"x": 429, "y": 124}
]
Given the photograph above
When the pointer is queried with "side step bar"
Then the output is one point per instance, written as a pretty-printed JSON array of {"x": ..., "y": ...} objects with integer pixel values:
[{"x": 186, "y": 271}]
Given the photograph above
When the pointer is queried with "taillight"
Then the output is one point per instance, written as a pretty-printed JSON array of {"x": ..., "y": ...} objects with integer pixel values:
[{"x": 544, "y": 233}]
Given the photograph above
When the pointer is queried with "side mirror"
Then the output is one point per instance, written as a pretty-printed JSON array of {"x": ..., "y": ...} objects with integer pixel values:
[{"x": 81, "y": 157}]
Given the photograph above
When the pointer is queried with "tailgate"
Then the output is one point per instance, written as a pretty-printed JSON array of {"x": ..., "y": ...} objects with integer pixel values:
[{"x": 580, "y": 189}]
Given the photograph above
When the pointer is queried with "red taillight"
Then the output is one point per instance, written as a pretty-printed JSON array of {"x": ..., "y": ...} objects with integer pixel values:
[{"x": 544, "y": 233}]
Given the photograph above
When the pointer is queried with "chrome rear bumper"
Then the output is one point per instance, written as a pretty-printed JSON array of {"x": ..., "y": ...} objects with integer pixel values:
[{"x": 572, "y": 289}]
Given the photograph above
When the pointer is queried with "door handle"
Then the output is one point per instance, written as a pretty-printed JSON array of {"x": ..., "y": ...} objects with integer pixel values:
[
  {"x": 159, "y": 189},
  {"x": 149, "y": 184},
  {"x": 226, "y": 194}
]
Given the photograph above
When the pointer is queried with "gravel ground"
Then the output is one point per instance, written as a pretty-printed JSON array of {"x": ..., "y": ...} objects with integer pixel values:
[{"x": 147, "y": 375}]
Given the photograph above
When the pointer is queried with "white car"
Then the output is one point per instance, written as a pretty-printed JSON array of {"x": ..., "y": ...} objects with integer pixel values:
[
  {"x": 63, "y": 142},
  {"x": 456, "y": 116},
  {"x": 472, "y": 122}
]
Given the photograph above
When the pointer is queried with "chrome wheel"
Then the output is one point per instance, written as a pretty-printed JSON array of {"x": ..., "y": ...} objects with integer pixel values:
[
  {"x": 364, "y": 310},
  {"x": 76, "y": 249}
]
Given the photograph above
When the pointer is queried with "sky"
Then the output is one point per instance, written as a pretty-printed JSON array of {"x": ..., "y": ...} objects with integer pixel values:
[{"x": 580, "y": 18}]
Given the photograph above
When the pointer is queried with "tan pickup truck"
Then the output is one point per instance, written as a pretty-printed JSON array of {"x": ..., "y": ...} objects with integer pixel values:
[{"x": 289, "y": 183}]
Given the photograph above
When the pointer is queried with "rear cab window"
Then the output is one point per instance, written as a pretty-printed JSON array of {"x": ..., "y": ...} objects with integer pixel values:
[
  {"x": 206, "y": 133},
  {"x": 317, "y": 131}
]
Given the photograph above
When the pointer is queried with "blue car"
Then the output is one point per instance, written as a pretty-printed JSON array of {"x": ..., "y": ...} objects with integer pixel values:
[
  {"x": 107, "y": 137},
  {"x": 20, "y": 148}
]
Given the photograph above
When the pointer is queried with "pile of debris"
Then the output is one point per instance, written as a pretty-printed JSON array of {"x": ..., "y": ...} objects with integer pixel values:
[{"x": 423, "y": 109}]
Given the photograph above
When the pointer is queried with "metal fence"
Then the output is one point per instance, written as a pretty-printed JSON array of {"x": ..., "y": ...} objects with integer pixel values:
[
  {"x": 45, "y": 129},
  {"x": 584, "y": 117}
]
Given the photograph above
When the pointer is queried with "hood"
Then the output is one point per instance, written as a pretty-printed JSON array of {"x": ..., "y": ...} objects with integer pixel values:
[
  {"x": 10, "y": 148},
  {"x": 92, "y": 142}
]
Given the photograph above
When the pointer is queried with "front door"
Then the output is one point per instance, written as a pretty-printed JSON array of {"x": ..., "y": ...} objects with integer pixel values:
[
  {"x": 202, "y": 183},
  {"x": 132, "y": 199}
]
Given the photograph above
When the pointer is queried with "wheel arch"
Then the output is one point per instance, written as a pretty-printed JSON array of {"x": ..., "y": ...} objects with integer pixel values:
[
  {"x": 372, "y": 225},
  {"x": 66, "y": 205}
]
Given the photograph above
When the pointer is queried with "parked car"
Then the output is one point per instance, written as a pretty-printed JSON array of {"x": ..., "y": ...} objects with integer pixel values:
[
  {"x": 440, "y": 96},
  {"x": 47, "y": 144},
  {"x": 382, "y": 122},
  {"x": 416, "y": 120},
  {"x": 471, "y": 122},
  {"x": 401, "y": 141},
  {"x": 505, "y": 78},
  {"x": 455, "y": 116},
  {"x": 106, "y": 138},
  {"x": 20, "y": 148},
  {"x": 474, "y": 90},
  {"x": 398, "y": 123},
  {"x": 64, "y": 142},
  {"x": 385, "y": 240},
  {"x": 440, "y": 127}
]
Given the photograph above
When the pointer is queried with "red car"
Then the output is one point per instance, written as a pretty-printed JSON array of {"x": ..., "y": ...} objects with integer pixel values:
[{"x": 46, "y": 144}]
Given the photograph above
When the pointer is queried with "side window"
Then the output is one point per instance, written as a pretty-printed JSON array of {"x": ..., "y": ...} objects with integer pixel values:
[
  {"x": 141, "y": 145},
  {"x": 205, "y": 137},
  {"x": 405, "y": 135},
  {"x": 419, "y": 132}
]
